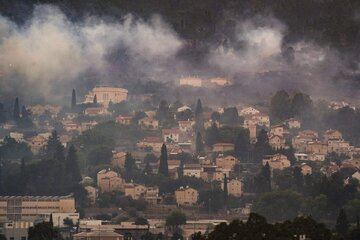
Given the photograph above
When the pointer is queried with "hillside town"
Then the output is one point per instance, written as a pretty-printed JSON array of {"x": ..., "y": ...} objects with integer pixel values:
[{"x": 109, "y": 168}]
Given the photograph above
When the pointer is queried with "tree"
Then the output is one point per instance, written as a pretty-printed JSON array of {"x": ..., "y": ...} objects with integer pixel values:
[
  {"x": 299, "y": 179},
  {"x": 176, "y": 219},
  {"x": 129, "y": 166},
  {"x": 52, "y": 145},
  {"x": 71, "y": 166},
  {"x": 199, "y": 117},
  {"x": 16, "y": 112},
  {"x": 73, "y": 99},
  {"x": 230, "y": 116},
  {"x": 2, "y": 113},
  {"x": 342, "y": 224},
  {"x": 163, "y": 168},
  {"x": 212, "y": 135},
  {"x": 199, "y": 144},
  {"x": 1, "y": 178},
  {"x": 280, "y": 106},
  {"x": 225, "y": 190},
  {"x": 24, "y": 113},
  {"x": 95, "y": 100},
  {"x": 262, "y": 146},
  {"x": 163, "y": 111},
  {"x": 42, "y": 231},
  {"x": 141, "y": 221},
  {"x": 60, "y": 153},
  {"x": 23, "y": 177},
  {"x": 242, "y": 144}
]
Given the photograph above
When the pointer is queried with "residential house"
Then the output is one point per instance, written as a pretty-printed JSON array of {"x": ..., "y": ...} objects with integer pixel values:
[
  {"x": 71, "y": 126},
  {"x": 149, "y": 123},
  {"x": 276, "y": 161},
  {"x": 332, "y": 135},
  {"x": 152, "y": 195},
  {"x": 135, "y": 191},
  {"x": 186, "y": 196},
  {"x": 316, "y": 147},
  {"x": 329, "y": 169},
  {"x": 153, "y": 143},
  {"x": 339, "y": 146},
  {"x": 192, "y": 170},
  {"x": 249, "y": 111},
  {"x": 186, "y": 126},
  {"x": 171, "y": 135},
  {"x": 300, "y": 141},
  {"x": 223, "y": 147},
  {"x": 227, "y": 162},
  {"x": 252, "y": 132},
  {"x": 96, "y": 111},
  {"x": 260, "y": 119},
  {"x": 278, "y": 130},
  {"x": 305, "y": 169},
  {"x": 118, "y": 159},
  {"x": 234, "y": 187},
  {"x": 19, "y": 137},
  {"x": 125, "y": 120},
  {"x": 292, "y": 123},
  {"x": 109, "y": 181},
  {"x": 37, "y": 143},
  {"x": 277, "y": 141}
]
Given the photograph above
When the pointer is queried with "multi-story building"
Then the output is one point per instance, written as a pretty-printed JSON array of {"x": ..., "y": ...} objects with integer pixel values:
[
  {"x": 135, "y": 191},
  {"x": 227, "y": 162},
  {"x": 186, "y": 196},
  {"x": 30, "y": 208},
  {"x": 105, "y": 95},
  {"x": 109, "y": 181},
  {"x": 276, "y": 161},
  {"x": 234, "y": 187}
]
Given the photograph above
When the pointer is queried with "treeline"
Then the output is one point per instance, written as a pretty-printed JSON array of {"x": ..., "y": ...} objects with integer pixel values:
[{"x": 56, "y": 173}]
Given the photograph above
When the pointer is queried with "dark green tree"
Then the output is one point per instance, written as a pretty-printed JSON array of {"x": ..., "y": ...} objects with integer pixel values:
[
  {"x": 212, "y": 135},
  {"x": 199, "y": 117},
  {"x": 225, "y": 190},
  {"x": 299, "y": 179},
  {"x": 52, "y": 145},
  {"x": 16, "y": 112},
  {"x": 129, "y": 166},
  {"x": 95, "y": 100},
  {"x": 43, "y": 231},
  {"x": 23, "y": 176},
  {"x": 73, "y": 99},
  {"x": 162, "y": 113},
  {"x": 72, "y": 166},
  {"x": 242, "y": 145},
  {"x": 199, "y": 144},
  {"x": 2, "y": 113},
  {"x": 163, "y": 167},
  {"x": 262, "y": 146},
  {"x": 342, "y": 224},
  {"x": 280, "y": 106}
]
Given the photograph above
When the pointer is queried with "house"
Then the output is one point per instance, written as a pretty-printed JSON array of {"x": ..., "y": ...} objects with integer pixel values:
[
  {"x": 37, "y": 143},
  {"x": 249, "y": 111},
  {"x": 332, "y": 135},
  {"x": 105, "y": 95},
  {"x": 223, "y": 147},
  {"x": 92, "y": 194},
  {"x": 186, "y": 126},
  {"x": 173, "y": 164},
  {"x": 153, "y": 143},
  {"x": 316, "y": 147},
  {"x": 135, "y": 191},
  {"x": 191, "y": 81},
  {"x": 353, "y": 162},
  {"x": 227, "y": 162},
  {"x": 356, "y": 175},
  {"x": 292, "y": 123},
  {"x": 260, "y": 119},
  {"x": 118, "y": 159},
  {"x": 339, "y": 146},
  {"x": 183, "y": 108},
  {"x": 277, "y": 130},
  {"x": 98, "y": 235},
  {"x": 19, "y": 137},
  {"x": 71, "y": 127},
  {"x": 252, "y": 132},
  {"x": 149, "y": 123},
  {"x": 300, "y": 141},
  {"x": 109, "y": 181},
  {"x": 329, "y": 169},
  {"x": 96, "y": 111},
  {"x": 171, "y": 135},
  {"x": 305, "y": 169},
  {"x": 277, "y": 141},
  {"x": 192, "y": 170},
  {"x": 234, "y": 187},
  {"x": 276, "y": 161},
  {"x": 186, "y": 196},
  {"x": 125, "y": 120},
  {"x": 152, "y": 195}
]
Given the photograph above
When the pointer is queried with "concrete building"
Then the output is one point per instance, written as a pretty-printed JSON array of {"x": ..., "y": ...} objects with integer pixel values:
[
  {"x": 186, "y": 196},
  {"x": 135, "y": 191},
  {"x": 276, "y": 161},
  {"x": 16, "y": 230},
  {"x": 223, "y": 147},
  {"x": 227, "y": 162},
  {"x": 105, "y": 95},
  {"x": 30, "y": 208},
  {"x": 234, "y": 187},
  {"x": 109, "y": 181},
  {"x": 92, "y": 194}
]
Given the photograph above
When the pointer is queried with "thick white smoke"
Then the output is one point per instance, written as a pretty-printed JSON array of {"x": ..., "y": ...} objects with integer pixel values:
[{"x": 50, "y": 50}]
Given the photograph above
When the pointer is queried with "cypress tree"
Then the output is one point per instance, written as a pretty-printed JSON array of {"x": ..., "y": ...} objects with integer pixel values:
[
  {"x": 212, "y": 135},
  {"x": 51, "y": 220},
  {"x": 24, "y": 112},
  {"x": 52, "y": 145},
  {"x": 342, "y": 224},
  {"x": 16, "y": 113},
  {"x": 71, "y": 166},
  {"x": 299, "y": 179},
  {"x": 129, "y": 165},
  {"x": 1, "y": 178},
  {"x": 262, "y": 146},
  {"x": 199, "y": 144},
  {"x": 23, "y": 176},
  {"x": 225, "y": 190},
  {"x": 199, "y": 118},
  {"x": 59, "y": 153},
  {"x": 2, "y": 113},
  {"x": 163, "y": 168},
  {"x": 95, "y": 100},
  {"x": 266, "y": 174},
  {"x": 73, "y": 99}
]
